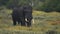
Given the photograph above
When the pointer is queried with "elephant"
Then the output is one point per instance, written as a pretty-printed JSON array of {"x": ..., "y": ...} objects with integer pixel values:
[{"x": 22, "y": 15}]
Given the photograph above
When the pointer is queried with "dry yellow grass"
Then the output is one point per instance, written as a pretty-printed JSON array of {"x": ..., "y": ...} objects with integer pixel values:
[{"x": 49, "y": 21}]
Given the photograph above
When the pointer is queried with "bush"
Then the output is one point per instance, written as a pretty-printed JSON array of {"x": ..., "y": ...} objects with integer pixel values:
[{"x": 51, "y": 32}]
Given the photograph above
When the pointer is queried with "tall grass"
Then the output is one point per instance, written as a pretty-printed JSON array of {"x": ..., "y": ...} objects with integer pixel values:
[{"x": 42, "y": 23}]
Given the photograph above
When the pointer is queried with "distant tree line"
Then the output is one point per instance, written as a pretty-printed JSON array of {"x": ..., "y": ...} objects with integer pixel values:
[{"x": 46, "y": 5}]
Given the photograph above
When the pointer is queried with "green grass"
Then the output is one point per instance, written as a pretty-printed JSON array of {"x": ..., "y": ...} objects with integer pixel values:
[{"x": 42, "y": 23}]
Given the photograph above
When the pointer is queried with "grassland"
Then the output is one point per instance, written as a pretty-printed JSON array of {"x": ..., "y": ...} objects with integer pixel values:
[{"x": 43, "y": 22}]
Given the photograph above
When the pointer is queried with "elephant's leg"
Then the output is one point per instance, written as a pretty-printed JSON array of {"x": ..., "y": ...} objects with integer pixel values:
[
  {"x": 19, "y": 21},
  {"x": 23, "y": 22},
  {"x": 14, "y": 22}
]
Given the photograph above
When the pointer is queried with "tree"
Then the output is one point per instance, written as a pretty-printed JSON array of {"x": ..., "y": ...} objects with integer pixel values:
[{"x": 51, "y": 5}]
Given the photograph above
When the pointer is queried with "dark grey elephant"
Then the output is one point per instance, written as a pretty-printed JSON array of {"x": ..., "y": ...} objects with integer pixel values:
[{"x": 19, "y": 15}]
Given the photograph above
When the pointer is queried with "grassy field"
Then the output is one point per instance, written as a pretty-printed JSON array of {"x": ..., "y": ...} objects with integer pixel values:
[{"x": 43, "y": 22}]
